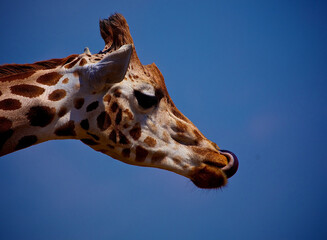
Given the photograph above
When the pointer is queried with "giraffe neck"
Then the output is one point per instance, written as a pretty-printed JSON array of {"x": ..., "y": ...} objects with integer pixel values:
[{"x": 38, "y": 108}]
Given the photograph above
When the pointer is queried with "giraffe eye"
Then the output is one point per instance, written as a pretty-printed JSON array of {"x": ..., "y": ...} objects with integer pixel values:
[{"x": 144, "y": 100}]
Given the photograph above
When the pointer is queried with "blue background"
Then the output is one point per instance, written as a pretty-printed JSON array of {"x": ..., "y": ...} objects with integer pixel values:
[{"x": 251, "y": 75}]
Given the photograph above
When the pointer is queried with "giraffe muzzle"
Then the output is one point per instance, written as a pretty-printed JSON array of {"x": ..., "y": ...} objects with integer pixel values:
[{"x": 213, "y": 174}]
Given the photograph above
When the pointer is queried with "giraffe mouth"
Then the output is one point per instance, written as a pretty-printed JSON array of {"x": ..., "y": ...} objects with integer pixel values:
[
  {"x": 231, "y": 168},
  {"x": 213, "y": 175}
]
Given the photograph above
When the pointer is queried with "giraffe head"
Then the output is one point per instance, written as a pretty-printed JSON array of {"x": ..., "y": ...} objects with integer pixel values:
[
  {"x": 131, "y": 117},
  {"x": 111, "y": 102}
]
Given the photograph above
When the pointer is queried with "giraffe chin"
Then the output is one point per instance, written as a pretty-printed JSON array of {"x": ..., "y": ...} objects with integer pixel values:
[{"x": 210, "y": 175}]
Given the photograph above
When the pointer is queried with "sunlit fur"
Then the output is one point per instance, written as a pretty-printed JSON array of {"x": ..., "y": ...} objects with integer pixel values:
[{"x": 93, "y": 98}]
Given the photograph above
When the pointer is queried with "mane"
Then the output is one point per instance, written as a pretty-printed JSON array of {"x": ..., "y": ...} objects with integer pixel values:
[
  {"x": 114, "y": 31},
  {"x": 8, "y": 70}
]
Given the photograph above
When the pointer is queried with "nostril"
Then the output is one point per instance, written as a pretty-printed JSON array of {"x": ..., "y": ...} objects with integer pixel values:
[
  {"x": 184, "y": 139},
  {"x": 231, "y": 168},
  {"x": 214, "y": 164}
]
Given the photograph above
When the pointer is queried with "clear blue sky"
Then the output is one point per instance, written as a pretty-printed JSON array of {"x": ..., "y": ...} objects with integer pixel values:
[{"x": 250, "y": 74}]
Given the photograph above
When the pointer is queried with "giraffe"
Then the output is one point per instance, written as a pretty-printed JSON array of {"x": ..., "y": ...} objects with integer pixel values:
[{"x": 112, "y": 103}]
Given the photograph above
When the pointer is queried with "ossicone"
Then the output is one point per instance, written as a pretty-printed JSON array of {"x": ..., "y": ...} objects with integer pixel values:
[{"x": 115, "y": 32}]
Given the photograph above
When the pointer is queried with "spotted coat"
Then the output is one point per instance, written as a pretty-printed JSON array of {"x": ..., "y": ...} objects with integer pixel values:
[{"x": 112, "y": 103}]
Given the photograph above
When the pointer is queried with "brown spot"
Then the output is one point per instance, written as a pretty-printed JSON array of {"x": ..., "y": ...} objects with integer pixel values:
[
  {"x": 129, "y": 114},
  {"x": 159, "y": 94},
  {"x": 10, "y": 104},
  {"x": 103, "y": 121},
  {"x": 82, "y": 62},
  {"x": 26, "y": 141},
  {"x": 178, "y": 114},
  {"x": 16, "y": 76},
  {"x": 94, "y": 136},
  {"x": 72, "y": 64},
  {"x": 165, "y": 136},
  {"x": 92, "y": 106},
  {"x": 199, "y": 136},
  {"x": 62, "y": 112},
  {"x": 113, "y": 136},
  {"x": 158, "y": 156},
  {"x": 78, "y": 103},
  {"x": 5, "y": 124},
  {"x": 56, "y": 95},
  {"x": 104, "y": 151},
  {"x": 27, "y": 90},
  {"x": 4, "y": 136},
  {"x": 65, "y": 81},
  {"x": 41, "y": 116},
  {"x": 118, "y": 117},
  {"x": 5, "y": 130},
  {"x": 114, "y": 107},
  {"x": 126, "y": 152},
  {"x": 107, "y": 98},
  {"x": 49, "y": 79},
  {"x": 110, "y": 146},
  {"x": 152, "y": 126},
  {"x": 89, "y": 141},
  {"x": 117, "y": 93},
  {"x": 185, "y": 139},
  {"x": 68, "y": 129},
  {"x": 211, "y": 157},
  {"x": 85, "y": 124},
  {"x": 69, "y": 59},
  {"x": 122, "y": 138},
  {"x": 0, "y": 93},
  {"x": 180, "y": 127},
  {"x": 177, "y": 160},
  {"x": 151, "y": 142},
  {"x": 136, "y": 131},
  {"x": 141, "y": 154}
]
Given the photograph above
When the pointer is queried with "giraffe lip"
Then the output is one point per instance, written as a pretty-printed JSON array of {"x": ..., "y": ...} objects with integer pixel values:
[
  {"x": 213, "y": 174},
  {"x": 231, "y": 168},
  {"x": 214, "y": 164}
]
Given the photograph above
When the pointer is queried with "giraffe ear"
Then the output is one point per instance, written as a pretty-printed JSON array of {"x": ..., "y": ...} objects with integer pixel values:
[{"x": 111, "y": 69}]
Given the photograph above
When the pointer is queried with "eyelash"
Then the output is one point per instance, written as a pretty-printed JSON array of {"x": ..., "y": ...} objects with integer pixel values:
[{"x": 145, "y": 101}]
